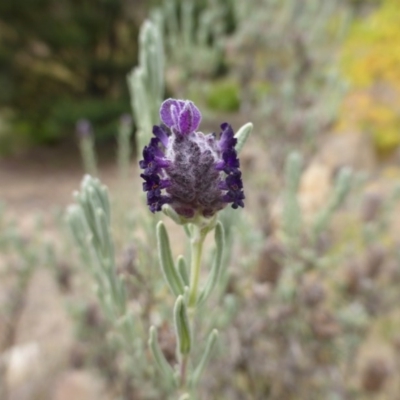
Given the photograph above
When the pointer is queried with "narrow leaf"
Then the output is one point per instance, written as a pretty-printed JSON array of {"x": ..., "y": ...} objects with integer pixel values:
[
  {"x": 167, "y": 264},
  {"x": 182, "y": 326},
  {"x": 242, "y": 135},
  {"x": 212, "y": 338},
  {"x": 182, "y": 270},
  {"x": 159, "y": 357},
  {"x": 171, "y": 213},
  {"x": 215, "y": 272}
]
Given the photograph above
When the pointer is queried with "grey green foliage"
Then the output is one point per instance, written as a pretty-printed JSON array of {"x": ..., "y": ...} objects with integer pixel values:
[
  {"x": 159, "y": 357},
  {"x": 193, "y": 35},
  {"x": 90, "y": 224},
  {"x": 182, "y": 326},
  {"x": 88, "y": 155},
  {"x": 289, "y": 74},
  {"x": 90, "y": 221},
  {"x": 146, "y": 81},
  {"x": 212, "y": 339},
  {"x": 242, "y": 135},
  {"x": 215, "y": 272},
  {"x": 171, "y": 275}
]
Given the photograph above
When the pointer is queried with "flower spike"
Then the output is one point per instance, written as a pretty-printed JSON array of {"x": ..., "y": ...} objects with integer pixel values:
[{"x": 197, "y": 175}]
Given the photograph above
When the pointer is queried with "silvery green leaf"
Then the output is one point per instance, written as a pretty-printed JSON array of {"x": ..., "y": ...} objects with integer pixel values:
[
  {"x": 181, "y": 266},
  {"x": 187, "y": 229},
  {"x": 144, "y": 41},
  {"x": 77, "y": 223},
  {"x": 242, "y": 135},
  {"x": 102, "y": 230},
  {"x": 171, "y": 275},
  {"x": 212, "y": 338},
  {"x": 159, "y": 357},
  {"x": 171, "y": 213},
  {"x": 88, "y": 154},
  {"x": 146, "y": 81},
  {"x": 127, "y": 325},
  {"x": 182, "y": 327},
  {"x": 214, "y": 275}
]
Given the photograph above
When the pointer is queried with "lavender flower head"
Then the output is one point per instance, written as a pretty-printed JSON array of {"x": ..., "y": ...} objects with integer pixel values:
[{"x": 197, "y": 174}]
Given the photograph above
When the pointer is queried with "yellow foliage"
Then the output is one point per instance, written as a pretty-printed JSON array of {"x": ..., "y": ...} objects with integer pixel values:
[{"x": 371, "y": 62}]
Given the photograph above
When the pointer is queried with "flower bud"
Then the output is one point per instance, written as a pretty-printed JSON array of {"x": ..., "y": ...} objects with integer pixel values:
[{"x": 83, "y": 128}]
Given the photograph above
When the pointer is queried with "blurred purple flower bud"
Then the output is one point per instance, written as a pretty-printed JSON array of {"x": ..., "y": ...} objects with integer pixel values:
[
  {"x": 83, "y": 128},
  {"x": 125, "y": 119}
]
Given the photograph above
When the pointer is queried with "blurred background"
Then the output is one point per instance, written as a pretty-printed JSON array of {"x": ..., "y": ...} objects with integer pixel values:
[{"x": 321, "y": 78}]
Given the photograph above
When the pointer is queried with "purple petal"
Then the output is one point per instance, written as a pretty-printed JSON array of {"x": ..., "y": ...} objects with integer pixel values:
[
  {"x": 159, "y": 132},
  {"x": 227, "y": 139},
  {"x": 189, "y": 118},
  {"x": 162, "y": 162},
  {"x": 220, "y": 165},
  {"x": 153, "y": 145},
  {"x": 164, "y": 183},
  {"x": 234, "y": 181},
  {"x": 166, "y": 112},
  {"x": 152, "y": 182},
  {"x": 155, "y": 201},
  {"x": 234, "y": 197},
  {"x": 231, "y": 160},
  {"x": 222, "y": 185},
  {"x": 180, "y": 115}
]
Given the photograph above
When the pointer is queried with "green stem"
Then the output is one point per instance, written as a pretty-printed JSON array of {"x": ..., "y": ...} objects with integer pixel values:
[
  {"x": 196, "y": 250},
  {"x": 183, "y": 371}
]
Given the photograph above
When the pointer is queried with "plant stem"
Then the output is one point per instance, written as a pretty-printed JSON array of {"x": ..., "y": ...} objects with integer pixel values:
[
  {"x": 196, "y": 250},
  {"x": 183, "y": 371}
]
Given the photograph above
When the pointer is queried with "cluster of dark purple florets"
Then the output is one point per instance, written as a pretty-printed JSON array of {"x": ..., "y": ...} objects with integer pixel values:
[{"x": 193, "y": 172}]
